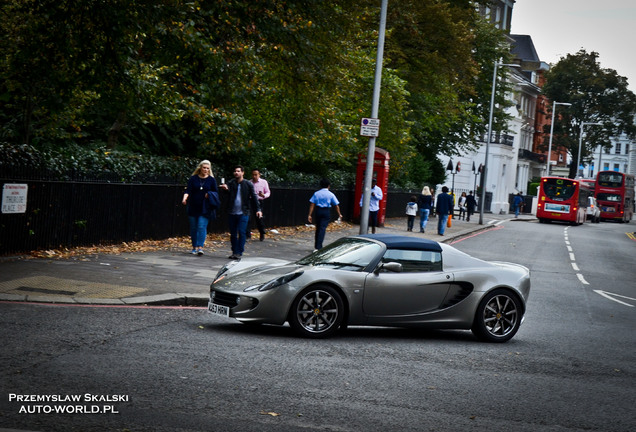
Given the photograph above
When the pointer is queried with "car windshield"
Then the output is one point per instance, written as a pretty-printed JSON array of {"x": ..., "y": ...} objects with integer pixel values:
[{"x": 346, "y": 253}]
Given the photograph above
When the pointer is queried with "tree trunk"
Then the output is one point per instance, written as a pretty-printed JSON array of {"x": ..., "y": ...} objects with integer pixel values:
[{"x": 115, "y": 129}]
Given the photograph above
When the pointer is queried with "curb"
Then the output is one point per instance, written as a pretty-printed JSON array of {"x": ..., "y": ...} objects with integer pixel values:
[{"x": 174, "y": 299}]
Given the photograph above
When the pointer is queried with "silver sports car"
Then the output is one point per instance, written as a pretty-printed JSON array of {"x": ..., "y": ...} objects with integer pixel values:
[{"x": 376, "y": 280}]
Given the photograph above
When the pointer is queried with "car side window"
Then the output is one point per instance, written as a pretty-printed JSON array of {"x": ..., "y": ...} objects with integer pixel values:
[{"x": 414, "y": 260}]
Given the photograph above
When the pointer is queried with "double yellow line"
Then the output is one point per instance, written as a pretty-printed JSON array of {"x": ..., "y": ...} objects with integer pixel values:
[{"x": 631, "y": 235}]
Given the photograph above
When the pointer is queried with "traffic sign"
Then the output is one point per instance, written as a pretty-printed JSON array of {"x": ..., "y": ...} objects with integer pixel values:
[{"x": 370, "y": 127}]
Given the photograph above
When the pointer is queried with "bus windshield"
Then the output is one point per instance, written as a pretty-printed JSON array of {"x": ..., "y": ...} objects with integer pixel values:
[
  {"x": 610, "y": 179},
  {"x": 558, "y": 189}
]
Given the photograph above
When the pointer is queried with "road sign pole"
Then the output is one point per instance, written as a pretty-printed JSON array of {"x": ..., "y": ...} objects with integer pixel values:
[{"x": 368, "y": 173}]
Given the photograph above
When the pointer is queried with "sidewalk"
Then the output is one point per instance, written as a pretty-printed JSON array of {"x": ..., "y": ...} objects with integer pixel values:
[{"x": 176, "y": 277}]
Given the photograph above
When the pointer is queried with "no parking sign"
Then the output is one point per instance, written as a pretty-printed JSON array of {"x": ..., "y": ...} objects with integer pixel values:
[{"x": 14, "y": 198}]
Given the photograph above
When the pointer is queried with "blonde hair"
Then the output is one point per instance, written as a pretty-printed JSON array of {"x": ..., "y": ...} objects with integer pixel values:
[
  {"x": 203, "y": 162},
  {"x": 426, "y": 190}
]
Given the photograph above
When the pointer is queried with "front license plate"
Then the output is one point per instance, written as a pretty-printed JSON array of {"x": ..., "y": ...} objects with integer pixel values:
[{"x": 219, "y": 310}]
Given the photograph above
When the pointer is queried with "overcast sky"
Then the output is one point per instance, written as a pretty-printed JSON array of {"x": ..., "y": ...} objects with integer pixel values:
[{"x": 561, "y": 27}]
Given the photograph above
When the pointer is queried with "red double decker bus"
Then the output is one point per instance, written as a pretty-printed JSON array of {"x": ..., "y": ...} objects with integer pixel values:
[
  {"x": 562, "y": 199},
  {"x": 615, "y": 195}
]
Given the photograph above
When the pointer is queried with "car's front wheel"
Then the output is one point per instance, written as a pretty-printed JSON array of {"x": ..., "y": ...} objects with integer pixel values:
[
  {"x": 317, "y": 312},
  {"x": 498, "y": 316}
]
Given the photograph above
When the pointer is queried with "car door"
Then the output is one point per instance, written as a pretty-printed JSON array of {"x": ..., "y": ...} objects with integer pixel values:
[{"x": 421, "y": 287}]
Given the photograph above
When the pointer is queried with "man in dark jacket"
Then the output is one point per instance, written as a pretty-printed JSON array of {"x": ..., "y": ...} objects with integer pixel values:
[
  {"x": 470, "y": 205},
  {"x": 241, "y": 200},
  {"x": 443, "y": 207}
]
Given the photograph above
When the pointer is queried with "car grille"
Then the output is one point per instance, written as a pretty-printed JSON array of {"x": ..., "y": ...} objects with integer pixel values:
[{"x": 224, "y": 299}]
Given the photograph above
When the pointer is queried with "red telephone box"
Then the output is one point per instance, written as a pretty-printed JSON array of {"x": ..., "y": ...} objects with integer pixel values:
[{"x": 380, "y": 173}]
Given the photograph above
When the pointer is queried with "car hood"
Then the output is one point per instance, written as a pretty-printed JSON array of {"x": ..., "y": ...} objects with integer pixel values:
[{"x": 254, "y": 271}]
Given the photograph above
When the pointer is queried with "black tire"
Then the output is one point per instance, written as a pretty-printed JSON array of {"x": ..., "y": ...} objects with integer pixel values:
[
  {"x": 317, "y": 312},
  {"x": 498, "y": 316}
]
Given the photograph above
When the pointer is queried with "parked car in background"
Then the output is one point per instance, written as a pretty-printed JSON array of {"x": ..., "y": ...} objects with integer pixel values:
[
  {"x": 376, "y": 280},
  {"x": 593, "y": 210}
]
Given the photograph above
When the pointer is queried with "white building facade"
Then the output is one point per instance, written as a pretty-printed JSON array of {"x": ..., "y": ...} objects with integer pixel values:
[{"x": 620, "y": 157}]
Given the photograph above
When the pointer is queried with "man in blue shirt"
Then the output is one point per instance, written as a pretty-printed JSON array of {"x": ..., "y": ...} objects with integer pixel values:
[
  {"x": 518, "y": 204},
  {"x": 443, "y": 208},
  {"x": 322, "y": 201}
]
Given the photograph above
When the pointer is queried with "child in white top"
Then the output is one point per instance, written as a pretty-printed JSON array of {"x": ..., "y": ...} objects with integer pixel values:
[{"x": 411, "y": 211}]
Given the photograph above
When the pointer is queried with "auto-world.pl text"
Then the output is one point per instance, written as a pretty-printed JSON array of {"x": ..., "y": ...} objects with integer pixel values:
[{"x": 86, "y": 403}]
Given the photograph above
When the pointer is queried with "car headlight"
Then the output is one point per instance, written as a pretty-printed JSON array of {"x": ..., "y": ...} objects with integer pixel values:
[
  {"x": 224, "y": 269},
  {"x": 274, "y": 283}
]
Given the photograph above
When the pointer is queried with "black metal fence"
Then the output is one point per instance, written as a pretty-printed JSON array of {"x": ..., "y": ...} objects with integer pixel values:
[
  {"x": 65, "y": 214},
  {"x": 69, "y": 214}
]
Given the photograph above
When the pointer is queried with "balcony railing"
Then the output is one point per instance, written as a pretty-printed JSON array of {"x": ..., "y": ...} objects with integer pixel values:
[
  {"x": 531, "y": 156},
  {"x": 498, "y": 138}
]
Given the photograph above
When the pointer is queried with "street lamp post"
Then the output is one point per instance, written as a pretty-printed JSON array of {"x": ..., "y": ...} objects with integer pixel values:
[
  {"x": 484, "y": 176},
  {"x": 375, "y": 104},
  {"x": 554, "y": 104},
  {"x": 578, "y": 156}
]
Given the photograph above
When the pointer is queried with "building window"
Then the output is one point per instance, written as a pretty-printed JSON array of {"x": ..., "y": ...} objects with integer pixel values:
[
  {"x": 617, "y": 167},
  {"x": 617, "y": 149}
]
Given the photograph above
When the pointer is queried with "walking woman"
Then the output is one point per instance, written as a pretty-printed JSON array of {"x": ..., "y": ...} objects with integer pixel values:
[
  {"x": 424, "y": 204},
  {"x": 200, "y": 184}
]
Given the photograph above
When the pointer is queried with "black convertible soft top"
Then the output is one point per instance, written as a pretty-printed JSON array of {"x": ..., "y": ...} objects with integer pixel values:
[{"x": 393, "y": 241}]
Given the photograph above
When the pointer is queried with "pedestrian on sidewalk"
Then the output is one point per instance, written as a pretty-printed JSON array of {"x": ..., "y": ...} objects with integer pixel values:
[
  {"x": 374, "y": 205},
  {"x": 443, "y": 208},
  {"x": 199, "y": 186},
  {"x": 470, "y": 205},
  {"x": 261, "y": 188},
  {"x": 321, "y": 201},
  {"x": 411, "y": 211},
  {"x": 241, "y": 200},
  {"x": 462, "y": 206},
  {"x": 517, "y": 203},
  {"x": 424, "y": 204}
]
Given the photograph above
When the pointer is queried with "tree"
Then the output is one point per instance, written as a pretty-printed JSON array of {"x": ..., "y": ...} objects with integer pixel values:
[
  {"x": 445, "y": 52},
  {"x": 279, "y": 84},
  {"x": 597, "y": 95}
]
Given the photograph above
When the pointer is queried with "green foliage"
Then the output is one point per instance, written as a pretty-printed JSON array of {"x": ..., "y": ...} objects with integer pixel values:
[
  {"x": 74, "y": 162},
  {"x": 532, "y": 188},
  {"x": 279, "y": 85},
  {"x": 597, "y": 95}
]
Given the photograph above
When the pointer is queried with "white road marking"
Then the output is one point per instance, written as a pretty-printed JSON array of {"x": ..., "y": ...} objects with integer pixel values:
[
  {"x": 611, "y": 296},
  {"x": 582, "y": 279},
  {"x": 573, "y": 258}
]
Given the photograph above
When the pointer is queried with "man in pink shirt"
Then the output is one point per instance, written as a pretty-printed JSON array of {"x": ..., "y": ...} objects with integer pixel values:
[{"x": 261, "y": 189}]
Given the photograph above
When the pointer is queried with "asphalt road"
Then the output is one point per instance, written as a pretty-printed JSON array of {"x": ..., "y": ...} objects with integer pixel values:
[{"x": 570, "y": 367}]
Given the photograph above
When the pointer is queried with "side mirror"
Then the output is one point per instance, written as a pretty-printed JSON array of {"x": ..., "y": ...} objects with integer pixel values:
[{"x": 394, "y": 267}]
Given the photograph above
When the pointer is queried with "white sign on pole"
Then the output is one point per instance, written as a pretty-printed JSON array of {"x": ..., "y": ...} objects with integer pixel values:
[
  {"x": 14, "y": 198},
  {"x": 370, "y": 127}
]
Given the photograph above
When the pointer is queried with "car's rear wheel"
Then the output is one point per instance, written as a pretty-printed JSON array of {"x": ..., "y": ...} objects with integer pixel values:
[
  {"x": 498, "y": 316},
  {"x": 317, "y": 312}
]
